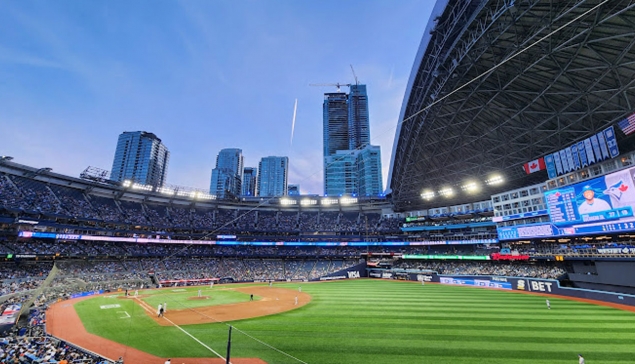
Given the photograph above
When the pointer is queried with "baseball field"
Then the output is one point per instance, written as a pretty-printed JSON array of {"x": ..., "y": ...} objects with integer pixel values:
[{"x": 353, "y": 322}]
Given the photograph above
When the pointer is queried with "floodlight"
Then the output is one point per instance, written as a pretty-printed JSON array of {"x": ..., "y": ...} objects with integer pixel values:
[
  {"x": 470, "y": 187},
  {"x": 348, "y": 200},
  {"x": 496, "y": 179},
  {"x": 446, "y": 192},
  {"x": 329, "y": 201},
  {"x": 427, "y": 195}
]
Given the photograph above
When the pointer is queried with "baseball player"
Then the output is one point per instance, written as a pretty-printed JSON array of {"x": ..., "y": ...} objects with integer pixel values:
[
  {"x": 199, "y": 293},
  {"x": 548, "y": 305},
  {"x": 296, "y": 300},
  {"x": 160, "y": 310},
  {"x": 580, "y": 359}
]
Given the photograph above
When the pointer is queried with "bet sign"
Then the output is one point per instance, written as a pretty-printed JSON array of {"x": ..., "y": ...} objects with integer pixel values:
[{"x": 541, "y": 286}]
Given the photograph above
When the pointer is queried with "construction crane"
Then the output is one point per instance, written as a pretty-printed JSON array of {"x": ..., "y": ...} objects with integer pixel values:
[
  {"x": 338, "y": 85},
  {"x": 354, "y": 75}
]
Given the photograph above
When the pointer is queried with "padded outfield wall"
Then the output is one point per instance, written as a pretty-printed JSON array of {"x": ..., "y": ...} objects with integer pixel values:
[{"x": 543, "y": 286}]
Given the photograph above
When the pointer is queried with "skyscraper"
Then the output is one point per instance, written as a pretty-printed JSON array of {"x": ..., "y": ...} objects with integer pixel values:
[
  {"x": 340, "y": 173},
  {"x": 273, "y": 175},
  {"x": 335, "y": 120},
  {"x": 250, "y": 181},
  {"x": 140, "y": 157},
  {"x": 346, "y": 126},
  {"x": 227, "y": 176},
  {"x": 369, "y": 179},
  {"x": 354, "y": 172},
  {"x": 358, "y": 118}
]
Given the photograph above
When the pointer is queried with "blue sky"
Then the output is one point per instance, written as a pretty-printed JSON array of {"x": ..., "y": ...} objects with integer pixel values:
[{"x": 201, "y": 75}]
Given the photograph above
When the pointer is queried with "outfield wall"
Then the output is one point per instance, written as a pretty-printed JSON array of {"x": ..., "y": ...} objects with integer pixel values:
[{"x": 546, "y": 286}]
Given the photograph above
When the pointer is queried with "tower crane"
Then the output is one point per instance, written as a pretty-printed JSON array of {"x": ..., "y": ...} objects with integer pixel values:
[
  {"x": 338, "y": 85},
  {"x": 354, "y": 75}
]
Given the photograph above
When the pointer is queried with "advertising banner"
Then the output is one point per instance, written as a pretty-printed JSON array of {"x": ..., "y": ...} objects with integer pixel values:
[
  {"x": 545, "y": 286},
  {"x": 85, "y": 294}
]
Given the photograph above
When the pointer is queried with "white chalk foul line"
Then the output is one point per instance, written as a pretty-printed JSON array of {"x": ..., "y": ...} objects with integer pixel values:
[{"x": 147, "y": 307}]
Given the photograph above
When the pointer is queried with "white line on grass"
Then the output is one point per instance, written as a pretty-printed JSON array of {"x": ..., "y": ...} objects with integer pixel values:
[
  {"x": 147, "y": 307},
  {"x": 251, "y": 337}
]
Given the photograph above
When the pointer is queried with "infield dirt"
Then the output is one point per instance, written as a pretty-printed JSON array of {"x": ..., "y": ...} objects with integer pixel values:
[{"x": 64, "y": 323}]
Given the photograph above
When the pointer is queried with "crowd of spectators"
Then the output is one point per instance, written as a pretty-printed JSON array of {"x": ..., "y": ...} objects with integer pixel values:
[
  {"x": 482, "y": 268},
  {"x": 33, "y": 196},
  {"x": 30, "y": 344}
]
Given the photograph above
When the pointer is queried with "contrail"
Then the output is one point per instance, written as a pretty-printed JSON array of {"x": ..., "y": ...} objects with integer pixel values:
[{"x": 295, "y": 109}]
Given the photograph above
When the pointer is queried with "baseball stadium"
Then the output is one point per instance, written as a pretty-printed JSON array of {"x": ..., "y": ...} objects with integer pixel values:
[{"x": 505, "y": 234}]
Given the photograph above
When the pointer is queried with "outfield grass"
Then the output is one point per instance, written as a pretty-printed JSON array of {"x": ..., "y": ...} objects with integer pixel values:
[
  {"x": 176, "y": 299},
  {"x": 366, "y": 321}
]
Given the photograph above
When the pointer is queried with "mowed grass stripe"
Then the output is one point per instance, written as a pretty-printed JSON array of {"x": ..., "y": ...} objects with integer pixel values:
[{"x": 365, "y": 321}]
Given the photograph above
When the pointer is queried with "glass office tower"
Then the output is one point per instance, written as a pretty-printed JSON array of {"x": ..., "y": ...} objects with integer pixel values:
[
  {"x": 227, "y": 177},
  {"x": 250, "y": 181},
  {"x": 273, "y": 174},
  {"x": 140, "y": 157}
]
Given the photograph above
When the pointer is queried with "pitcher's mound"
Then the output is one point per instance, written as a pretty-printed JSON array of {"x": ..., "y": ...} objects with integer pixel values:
[{"x": 198, "y": 298}]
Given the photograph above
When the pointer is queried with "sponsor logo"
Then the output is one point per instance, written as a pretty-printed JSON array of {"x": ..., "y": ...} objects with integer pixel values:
[
  {"x": 353, "y": 274},
  {"x": 499, "y": 279},
  {"x": 625, "y": 250},
  {"x": 424, "y": 278},
  {"x": 375, "y": 274},
  {"x": 541, "y": 286},
  {"x": 105, "y": 307},
  {"x": 520, "y": 285},
  {"x": 386, "y": 275}
]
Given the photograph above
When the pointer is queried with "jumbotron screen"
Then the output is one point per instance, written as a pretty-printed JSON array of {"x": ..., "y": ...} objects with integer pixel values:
[{"x": 597, "y": 206}]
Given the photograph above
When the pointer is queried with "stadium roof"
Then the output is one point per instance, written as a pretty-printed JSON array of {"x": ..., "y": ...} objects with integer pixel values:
[{"x": 498, "y": 83}]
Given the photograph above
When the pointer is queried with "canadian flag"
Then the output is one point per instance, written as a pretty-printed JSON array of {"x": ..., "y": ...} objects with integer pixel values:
[{"x": 535, "y": 166}]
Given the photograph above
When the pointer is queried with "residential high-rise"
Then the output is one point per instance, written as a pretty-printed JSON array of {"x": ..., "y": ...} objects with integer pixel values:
[
  {"x": 250, "y": 181},
  {"x": 273, "y": 175},
  {"x": 340, "y": 173},
  {"x": 140, "y": 157},
  {"x": 335, "y": 117},
  {"x": 356, "y": 172},
  {"x": 346, "y": 126},
  {"x": 227, "y": 177},
  {"x": 358, "y": 118},
  {"x": 369, "y": 179}
]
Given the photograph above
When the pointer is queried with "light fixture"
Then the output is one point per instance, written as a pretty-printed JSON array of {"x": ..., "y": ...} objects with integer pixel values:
[
  {"x": 427, "y": 195},
  {"x": 495, "y": 180}
]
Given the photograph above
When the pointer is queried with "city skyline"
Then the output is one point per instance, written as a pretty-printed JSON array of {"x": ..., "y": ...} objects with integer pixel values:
[{"x": 75, "y": 75}]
